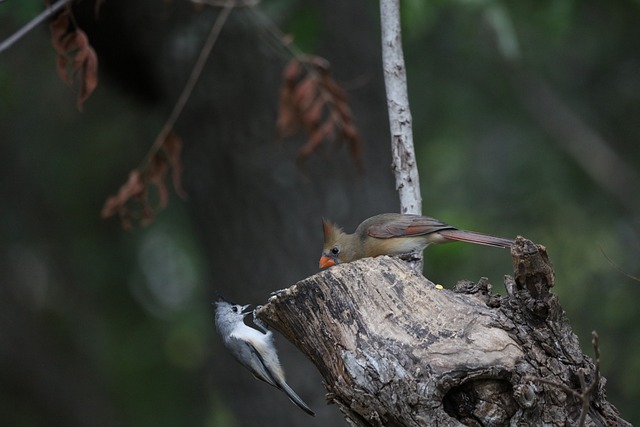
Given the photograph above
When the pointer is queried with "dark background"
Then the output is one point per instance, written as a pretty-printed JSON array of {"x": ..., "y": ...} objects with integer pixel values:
[{"x": 102, "y": 327}]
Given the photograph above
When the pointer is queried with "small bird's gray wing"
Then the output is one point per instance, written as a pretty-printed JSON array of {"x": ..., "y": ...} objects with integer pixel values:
[
  {"x": 260, "y": 371},
  {"x": 406, "y": 225},
  {"x": 255, "y": 361}
]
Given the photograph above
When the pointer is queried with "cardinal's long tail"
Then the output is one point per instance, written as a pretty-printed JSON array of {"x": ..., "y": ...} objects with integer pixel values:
[
  {"x": 477, "y": 238},
  {"x": 295, "y": 398}
]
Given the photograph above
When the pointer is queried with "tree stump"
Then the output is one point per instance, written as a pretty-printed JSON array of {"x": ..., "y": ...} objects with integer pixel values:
[{"x": 394, "y": 350}]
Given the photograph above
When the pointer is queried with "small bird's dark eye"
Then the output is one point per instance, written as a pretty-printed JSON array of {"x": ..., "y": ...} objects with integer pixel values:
[
  {"x": 235, "y": 309},
  {"x": 335, "y": 250}
]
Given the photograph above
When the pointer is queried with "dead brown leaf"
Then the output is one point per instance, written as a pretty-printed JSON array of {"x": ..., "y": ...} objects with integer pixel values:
[
  {"x": 77, "y": 62},
  {"x": 133, "y": 189},
  {"x": 133, "y": 201},
  {"x": 311, "y": 100},
  {"x": 173, "y": 149},
  {"x": 155, "y": 175}
]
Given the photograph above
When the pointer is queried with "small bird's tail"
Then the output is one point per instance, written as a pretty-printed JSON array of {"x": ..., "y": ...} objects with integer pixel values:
[
  {"x": 295, "y": 398},
  {"x": 477, "y": 238}
]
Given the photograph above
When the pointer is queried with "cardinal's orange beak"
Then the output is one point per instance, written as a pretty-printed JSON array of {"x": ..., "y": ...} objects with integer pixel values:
[{"x": 325, "y": 261}]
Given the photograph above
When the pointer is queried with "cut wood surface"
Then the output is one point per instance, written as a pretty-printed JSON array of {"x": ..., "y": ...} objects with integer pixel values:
[{"x": 394, "y": 350}]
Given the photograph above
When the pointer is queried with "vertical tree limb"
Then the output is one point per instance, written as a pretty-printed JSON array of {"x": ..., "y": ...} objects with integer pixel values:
[
  {"x": 49, "y": 11},
  {"x": 403, "y": 156},
  {"x": 395, "y": 80}
]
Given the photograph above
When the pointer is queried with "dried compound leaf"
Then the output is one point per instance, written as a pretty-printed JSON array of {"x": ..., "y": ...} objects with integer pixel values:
[
  {"x": 59, "y": 27},
  {"x": 134, "y": 188},
  {"x": 315, "y": 139},
  {"x": 156, "y": 174},
  {"x": 134, "y": 201},
  {"x": 89, "y": 77},
  {"x": 305, "y": 93},
  {"x": 77, "y": 62},
  {"x": 291, "y": 72},
  {"x": 173, "y": 149},
  {"x": 312, "y": 100},
  {"x": 312, "y": 117}
]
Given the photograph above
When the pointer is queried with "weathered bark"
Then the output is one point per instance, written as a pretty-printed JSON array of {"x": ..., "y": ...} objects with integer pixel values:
[{"x": 394, "y": 350}]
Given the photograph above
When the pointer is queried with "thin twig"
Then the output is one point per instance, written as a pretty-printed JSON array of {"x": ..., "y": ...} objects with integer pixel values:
[
  {"x": 587, "y": 390},
  {"x": 630, "y": 276},
  {"x": 272, "y": 30},
  {"x": 553, "y": 384},
  {"x": 50, "y": 10},
  {"x": 596, "y": 352},
  {"x": 585, "y": 401},
  {"x": 191, "y": 82},
  {"x": 272, "y": 35},
  {"x": 294, "y": 51},
  {"x": 223, "y": 3}
]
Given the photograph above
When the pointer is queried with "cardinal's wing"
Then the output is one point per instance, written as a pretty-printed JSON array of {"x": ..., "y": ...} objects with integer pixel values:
[{"x": 407, "y": 225}]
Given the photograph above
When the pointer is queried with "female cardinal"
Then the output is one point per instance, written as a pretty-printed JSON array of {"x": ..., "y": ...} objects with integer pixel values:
[{"x": 394, "y": 234}]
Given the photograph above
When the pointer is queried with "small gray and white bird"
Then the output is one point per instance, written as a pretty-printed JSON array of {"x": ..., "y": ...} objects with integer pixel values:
[{"x": 254, "y": 349}]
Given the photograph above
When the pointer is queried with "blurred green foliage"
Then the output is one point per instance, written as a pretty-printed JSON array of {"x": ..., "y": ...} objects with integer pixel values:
[
  {"x": 305, "y": 28},
  {"x": 145, "y": 330},
  {"x": 18, "y": 11},
  {"x": 485, "y": 165}
]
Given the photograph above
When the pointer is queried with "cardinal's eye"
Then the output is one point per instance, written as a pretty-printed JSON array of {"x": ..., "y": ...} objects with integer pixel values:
[{"x": 335, "y": 250}]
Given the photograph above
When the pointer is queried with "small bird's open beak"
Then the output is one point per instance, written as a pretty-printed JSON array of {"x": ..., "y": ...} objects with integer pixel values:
[
  {"x": 244, "y": 307},
  {"x": 325, "y": 261}
]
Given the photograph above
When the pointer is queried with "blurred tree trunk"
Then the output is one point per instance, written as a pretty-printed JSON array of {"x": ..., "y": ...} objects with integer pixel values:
[
  {"x": 395, "y": 350},
  {"x": 257, "y": 214}
]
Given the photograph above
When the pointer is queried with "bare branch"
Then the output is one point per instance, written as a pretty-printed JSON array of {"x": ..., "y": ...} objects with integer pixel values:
[
  {"x": 191, "y": 82},
  {"x": 403, "y": 155},
  {"x": 32, "y": 24},
  {"x": 153, "y": 168},
  {"x": 630, "y": 276},
  {"x": 223, "y": 3},
  {"x": 395, "y": 79}
]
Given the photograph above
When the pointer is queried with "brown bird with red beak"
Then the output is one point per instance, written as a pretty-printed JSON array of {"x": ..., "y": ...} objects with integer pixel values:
[{"x": 394, "y": 234}]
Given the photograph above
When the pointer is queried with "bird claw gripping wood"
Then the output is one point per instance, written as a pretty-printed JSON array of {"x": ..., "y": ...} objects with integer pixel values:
[{"x": 259, "y": 323}]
